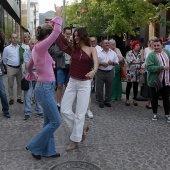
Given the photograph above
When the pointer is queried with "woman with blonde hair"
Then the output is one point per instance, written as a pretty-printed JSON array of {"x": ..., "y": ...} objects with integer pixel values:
[
  {"x": 24, "y": 46},
  {"x": 146, "y": 90}
]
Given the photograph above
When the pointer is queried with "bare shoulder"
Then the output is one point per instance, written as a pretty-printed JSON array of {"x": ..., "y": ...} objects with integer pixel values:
[{"x": 92, "y": 49}]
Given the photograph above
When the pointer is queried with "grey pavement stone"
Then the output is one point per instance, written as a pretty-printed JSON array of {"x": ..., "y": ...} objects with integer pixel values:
[{"x": 120, "y": 138}]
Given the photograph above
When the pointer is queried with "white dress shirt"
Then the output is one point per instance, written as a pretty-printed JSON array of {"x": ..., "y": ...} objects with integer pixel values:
[
  {"x": 105, "y": 57},
  {"x": 25, "y": 46},
  {"x": 11, "y": 55},
  {"x": 98, "y": 48}
]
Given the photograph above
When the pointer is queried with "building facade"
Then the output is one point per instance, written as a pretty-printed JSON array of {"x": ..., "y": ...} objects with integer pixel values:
[
  {"x": 33, "y": 16},
  {"x": 155, "y": 29},
  {"x": 11, "y": 20}
]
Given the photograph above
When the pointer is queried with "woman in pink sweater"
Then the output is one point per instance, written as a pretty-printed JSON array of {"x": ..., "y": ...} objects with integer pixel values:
[{"x": 43, "y": 144}]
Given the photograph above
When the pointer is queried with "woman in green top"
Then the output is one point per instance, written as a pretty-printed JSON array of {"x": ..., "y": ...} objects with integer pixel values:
[{"x": 117, "y": 83}]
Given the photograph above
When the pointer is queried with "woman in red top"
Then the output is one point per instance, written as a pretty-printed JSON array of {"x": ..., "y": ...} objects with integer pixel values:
[{"x": 79, "y": 85}]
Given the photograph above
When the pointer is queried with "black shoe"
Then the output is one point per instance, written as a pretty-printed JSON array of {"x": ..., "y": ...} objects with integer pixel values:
[
  {"x": 53, "y": 156},
  {"x": 38, "y": 157},
  {"x": 101, "y": 105},
  {"x": 108, "y": 105},
  {"x": 7, "y": 115},
  {"x": 26, "y": 117},
  {"x": 135, "y": 103},
  {"x": 40, "y": 115},
  {"x": 20, "y": 101},
  {"x": 58, "y": 108},
  {"x": 11, "y": 102}
]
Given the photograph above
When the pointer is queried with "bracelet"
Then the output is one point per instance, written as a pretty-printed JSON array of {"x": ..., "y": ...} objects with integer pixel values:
[{"x": 94, "y": 70}]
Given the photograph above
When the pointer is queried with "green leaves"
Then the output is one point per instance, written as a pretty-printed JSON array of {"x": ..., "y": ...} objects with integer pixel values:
[{"x": 114, "y": 17}]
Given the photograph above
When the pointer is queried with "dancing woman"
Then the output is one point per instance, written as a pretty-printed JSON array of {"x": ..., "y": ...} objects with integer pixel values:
[
  {"x": 43, "y": 144},
  {"x": 79, "y": 85}
]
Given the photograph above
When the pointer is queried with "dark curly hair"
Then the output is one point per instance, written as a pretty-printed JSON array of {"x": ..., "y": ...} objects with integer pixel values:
[
  {"x": 43, "y": 31},
  {"x": 83, "y": 36}
]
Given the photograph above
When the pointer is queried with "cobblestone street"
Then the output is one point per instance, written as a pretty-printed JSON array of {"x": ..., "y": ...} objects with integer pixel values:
[{"x": 120, "y": 138}]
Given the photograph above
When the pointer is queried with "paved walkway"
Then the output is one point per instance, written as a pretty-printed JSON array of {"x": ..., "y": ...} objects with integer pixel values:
[{"x": 120, "y": 138}]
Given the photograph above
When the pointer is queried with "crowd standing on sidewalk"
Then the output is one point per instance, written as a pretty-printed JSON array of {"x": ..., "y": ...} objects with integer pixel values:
[{"x": 74, "y": 63}]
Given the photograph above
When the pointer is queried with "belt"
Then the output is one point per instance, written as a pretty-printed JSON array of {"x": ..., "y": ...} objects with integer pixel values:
[
  {"x": 105, "y": 70},
  {"x": 14, "y": 66},
  {"x": 38, "y": 83}
]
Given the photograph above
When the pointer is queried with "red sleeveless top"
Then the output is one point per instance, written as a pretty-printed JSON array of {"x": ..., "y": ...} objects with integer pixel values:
[
  {"x": 80, "y": 62},
  {"x": 80, "y": 65}
]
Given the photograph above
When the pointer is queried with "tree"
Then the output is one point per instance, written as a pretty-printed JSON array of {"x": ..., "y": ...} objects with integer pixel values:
[
  {"x": 115, "y": 17},
  {"x": 88, "y": 13},
  {"x": 128, "y": 14}
]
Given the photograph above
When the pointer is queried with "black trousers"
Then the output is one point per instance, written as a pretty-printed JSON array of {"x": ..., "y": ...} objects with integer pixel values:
[
  {"x": 165, "y": 97},
  {"x": 135, "y": 89},
  {"x": 104, "y": 78}
]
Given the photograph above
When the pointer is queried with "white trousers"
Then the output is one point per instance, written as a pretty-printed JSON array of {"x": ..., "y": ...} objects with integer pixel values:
[{"x": 75, "y": 121}]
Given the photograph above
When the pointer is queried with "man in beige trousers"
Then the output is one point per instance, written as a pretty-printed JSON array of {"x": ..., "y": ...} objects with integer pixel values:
[{"x": 11, "y": 58}]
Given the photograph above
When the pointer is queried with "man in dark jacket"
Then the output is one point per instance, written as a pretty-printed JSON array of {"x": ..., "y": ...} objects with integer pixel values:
[{"x": 62, "y": 66}]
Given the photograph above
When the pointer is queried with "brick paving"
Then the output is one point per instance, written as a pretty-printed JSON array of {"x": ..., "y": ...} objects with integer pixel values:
[{"x": 120, "y": 138}]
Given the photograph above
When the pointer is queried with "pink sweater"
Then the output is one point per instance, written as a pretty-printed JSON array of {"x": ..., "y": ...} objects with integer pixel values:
[{"x": 41, "y": 59}]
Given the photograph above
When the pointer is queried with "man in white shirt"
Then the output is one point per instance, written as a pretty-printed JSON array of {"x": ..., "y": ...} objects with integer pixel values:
[
  {"x": 107, "y": 60},
  {"x": 11, "y": 58}
]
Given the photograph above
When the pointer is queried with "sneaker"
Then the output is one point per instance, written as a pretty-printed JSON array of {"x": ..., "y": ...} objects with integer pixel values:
[
  {"x": 167, "y": 118},
  {"x": 155, "y": 117},
  {"x": 20, "y": 101},
  {"x": 90, "y": 114},
  {"x": 26, "y": 117},
  {"x": 40, "y": 115}
]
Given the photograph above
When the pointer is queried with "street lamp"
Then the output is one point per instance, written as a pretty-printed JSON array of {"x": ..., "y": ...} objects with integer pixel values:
[{"x": 71, "y": 27}]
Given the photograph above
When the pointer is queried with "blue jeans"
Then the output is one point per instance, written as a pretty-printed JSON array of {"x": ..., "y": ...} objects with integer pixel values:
[
  {"x": 62, "y": 77},
  {"x": 3, "y": 96},
  {"x": 43, "y": 144},
  {"x": 28, "y": 98}
]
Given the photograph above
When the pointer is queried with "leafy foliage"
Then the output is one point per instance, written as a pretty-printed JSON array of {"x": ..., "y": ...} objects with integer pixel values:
[{"x": 114, "y": 17}]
